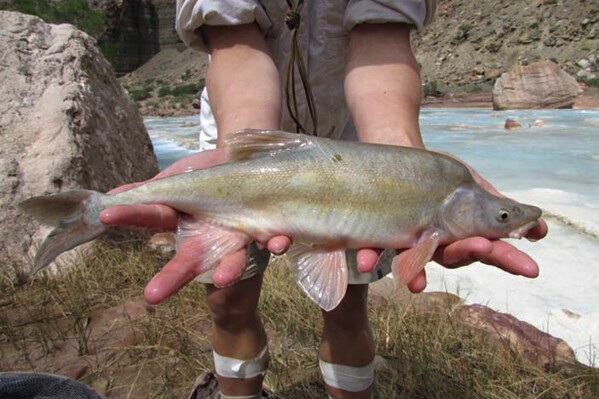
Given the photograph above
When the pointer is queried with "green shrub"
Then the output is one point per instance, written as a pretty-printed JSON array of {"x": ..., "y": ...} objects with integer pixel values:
[
  {"x": 75, "y": 12},
  {"x": 110, "y": 50},
  {"x": 592, "y": 81},
  {"x": 164, "y": 91},
  {"x": 462, "y": 34},
  {"x": 141, "y": 94},
  {"x": 431, "y": 88},
  {"x": 182, "y": 90}
]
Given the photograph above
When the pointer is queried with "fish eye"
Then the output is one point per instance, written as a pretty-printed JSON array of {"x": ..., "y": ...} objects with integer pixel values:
[{"x": 503, "y": 215}]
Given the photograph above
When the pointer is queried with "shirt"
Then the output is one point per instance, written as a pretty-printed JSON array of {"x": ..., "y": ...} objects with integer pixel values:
[{"x": 322, "y": 39}]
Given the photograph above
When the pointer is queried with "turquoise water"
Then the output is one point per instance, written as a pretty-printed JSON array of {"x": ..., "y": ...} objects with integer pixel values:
[{"x": 554, "y": 166}]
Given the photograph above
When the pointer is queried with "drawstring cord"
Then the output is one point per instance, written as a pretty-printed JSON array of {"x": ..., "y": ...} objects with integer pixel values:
[{"x": 293, "y": 19}]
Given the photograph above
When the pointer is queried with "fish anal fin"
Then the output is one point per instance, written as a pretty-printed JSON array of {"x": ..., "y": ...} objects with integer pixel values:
[
  {"x": 252, "y": 143},
  {"x": 412, "y": 261},
  {"x": 205, "y": 244},
  {"x": 321, "y": 273}
]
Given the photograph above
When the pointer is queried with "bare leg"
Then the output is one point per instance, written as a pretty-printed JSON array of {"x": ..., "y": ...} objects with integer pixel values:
[
  {"x": 237, "y": 331},
  {"x": 347, "y": 338}
]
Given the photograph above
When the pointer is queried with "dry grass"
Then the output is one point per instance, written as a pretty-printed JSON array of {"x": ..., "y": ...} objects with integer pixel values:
[{"x": 56, "y": 326}]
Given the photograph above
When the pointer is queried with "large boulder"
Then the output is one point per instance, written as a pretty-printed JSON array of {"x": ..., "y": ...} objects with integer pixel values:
[
  {"x": 531, "y": 343},
  {"x": 65, "y": 123},
  {"x": 502, "y": 329},
  {"x": 540, "y": 85}
]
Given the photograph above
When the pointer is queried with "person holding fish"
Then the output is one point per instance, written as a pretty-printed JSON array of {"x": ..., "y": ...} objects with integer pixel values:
[{"x": 329, "y": 69}]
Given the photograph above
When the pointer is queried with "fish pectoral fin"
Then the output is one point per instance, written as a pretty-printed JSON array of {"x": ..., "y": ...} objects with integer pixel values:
[
  {"x": 321, "y": 273},
  {"x": 252, "y": 143},
  {"x": 410, "y": 262},
  {"x": 205, "y": 244}
]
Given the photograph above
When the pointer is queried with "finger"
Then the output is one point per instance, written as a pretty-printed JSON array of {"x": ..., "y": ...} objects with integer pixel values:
[
  {"x": 418, "y": 283},
  {"x": 508, "y": 258},
  {"x": 149, "y": 216},
  {"x": 174, "y": 276},
  {"x": 199, "y": 160},
  {"x": 367, "y": 259},
  {"x": 278, "y": 245},
  {"x": 125, "y": 187},
  {"x": 538, "y": 232},
  {"x": 463, "y": 252},
  {"x": 230, "y": 269}
]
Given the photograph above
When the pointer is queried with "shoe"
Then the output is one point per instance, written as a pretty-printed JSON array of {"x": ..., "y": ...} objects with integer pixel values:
[{"x": 206, "y": 387}]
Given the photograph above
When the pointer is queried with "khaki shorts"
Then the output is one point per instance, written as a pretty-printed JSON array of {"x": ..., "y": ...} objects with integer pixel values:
[{"x": 258, "y": 260}]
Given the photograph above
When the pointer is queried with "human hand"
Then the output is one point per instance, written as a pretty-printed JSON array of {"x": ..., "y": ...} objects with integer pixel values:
[
  {"x": 181, "y": 269},
  {"x": 492, "y": 252},
  {"x": 473, "y": 249}
]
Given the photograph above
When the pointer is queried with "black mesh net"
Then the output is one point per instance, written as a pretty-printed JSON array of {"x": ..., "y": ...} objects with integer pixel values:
[{"x": 43, "y": 386}]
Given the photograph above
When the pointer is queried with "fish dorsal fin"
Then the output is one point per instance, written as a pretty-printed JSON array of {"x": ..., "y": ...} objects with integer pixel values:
[
  {"x": 206, "y": 244},
  {"x": 321, "y": 273},
  {"x": 252, "y": 143},
  {"x": 410, "y": 262}
]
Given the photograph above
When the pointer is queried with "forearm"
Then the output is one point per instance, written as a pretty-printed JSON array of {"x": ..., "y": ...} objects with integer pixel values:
[
  {"x": 382, "y": 85},
  {"x": 242, "y": 80}
]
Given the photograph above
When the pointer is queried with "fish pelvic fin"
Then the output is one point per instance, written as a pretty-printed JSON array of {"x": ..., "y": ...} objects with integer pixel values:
[
  {"x": 75, "y": 216},
  {"x": 322, "y": 274},
  {"x": 412, "y": 261},
  {"x": 253, "y": 143},
  {"x": 204, "y": 244}
]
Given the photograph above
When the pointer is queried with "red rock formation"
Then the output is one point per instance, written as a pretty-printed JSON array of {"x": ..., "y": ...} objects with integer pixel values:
[
  {"x": 532, "y": 343},
  {"x": 540, "y": 85}
]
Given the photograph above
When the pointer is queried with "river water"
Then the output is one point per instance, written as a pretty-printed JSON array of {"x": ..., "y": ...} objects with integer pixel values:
[{"x": 554, "y": 166}]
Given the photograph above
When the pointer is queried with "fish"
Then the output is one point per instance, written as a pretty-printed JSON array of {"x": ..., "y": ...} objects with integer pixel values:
[{"x": 326, "y": 195}]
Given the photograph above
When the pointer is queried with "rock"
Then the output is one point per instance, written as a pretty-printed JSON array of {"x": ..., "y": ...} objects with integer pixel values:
[
  {"x": 196, "y": 103},
  {"x": 511, "y": 124},
  {"x": 163, "y": 243},
  {"x": 493, "y": 73},
  {"x": 65, "y": 121},
  {"x": 538, "y": 123},
  {"x": 189, "y": 124},
  {"x": 584, "y": 74},
  {"x": 139, "y": 29},
  {"x": 531, "y": 343},
  {"x": 542, "y": 84},
  {"x": 74, "y": 370},
  {"x": 584, "y": 63},
  {"x": 383, "y": 291},
  {"x": 113, "y": 327}
]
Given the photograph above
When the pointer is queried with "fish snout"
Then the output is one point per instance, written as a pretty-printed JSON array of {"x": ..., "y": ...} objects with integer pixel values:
[{"x": 533, "y": 213}]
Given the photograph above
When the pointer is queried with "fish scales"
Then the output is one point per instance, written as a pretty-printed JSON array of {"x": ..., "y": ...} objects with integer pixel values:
[{"x": 309, "y": 190}]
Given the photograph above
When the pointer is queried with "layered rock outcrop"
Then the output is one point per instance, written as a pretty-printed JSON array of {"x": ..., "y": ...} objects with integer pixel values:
[
  {"x": 65, "y": 123},
  {"x": 139, "y": 28},
  {"x": 540, "y": 85},
  {"x": 145, "y": 27}
]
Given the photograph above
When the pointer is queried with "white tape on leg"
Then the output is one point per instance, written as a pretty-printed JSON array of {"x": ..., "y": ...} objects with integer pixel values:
[
  {"x": 235, "y": 368},
  {"x": 352, "y": 379},
  {"x": 256, "y": 396}
]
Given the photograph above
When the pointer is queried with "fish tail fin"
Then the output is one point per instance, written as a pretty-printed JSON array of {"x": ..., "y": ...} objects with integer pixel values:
[{"x": 75, "y": 215}]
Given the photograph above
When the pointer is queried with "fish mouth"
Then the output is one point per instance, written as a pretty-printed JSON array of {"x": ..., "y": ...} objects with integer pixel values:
[{"x": 522, "y": 230}]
